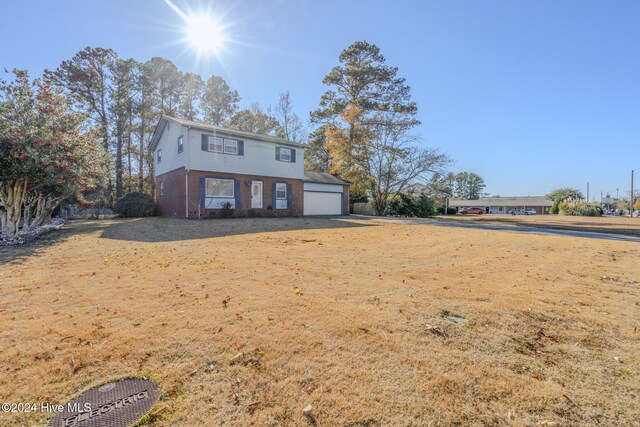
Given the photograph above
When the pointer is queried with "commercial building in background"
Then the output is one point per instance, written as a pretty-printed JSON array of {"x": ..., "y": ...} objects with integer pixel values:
[{"x": 505, "y": 205}]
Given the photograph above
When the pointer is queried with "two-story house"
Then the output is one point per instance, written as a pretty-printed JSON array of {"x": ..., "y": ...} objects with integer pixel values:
[{"x": 200, "y": 169}]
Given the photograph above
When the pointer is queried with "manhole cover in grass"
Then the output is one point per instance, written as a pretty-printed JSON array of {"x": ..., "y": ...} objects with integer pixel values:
[{"x": 117, "y": 404}]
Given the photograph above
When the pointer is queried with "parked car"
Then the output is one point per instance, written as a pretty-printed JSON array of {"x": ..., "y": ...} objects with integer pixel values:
[
  {"x": 477, "y": 211},
  {"x": 526, "y": 211}
]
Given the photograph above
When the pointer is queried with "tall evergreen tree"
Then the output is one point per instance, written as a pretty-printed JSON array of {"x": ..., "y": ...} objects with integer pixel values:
[
  {"x": 316, "y": 156},
  {"x": 86, "y": 80},
  {"x": 168, "y": 85},
  {"x": 144, "y": 107},
  {"x": 121, "y": 110},
  {"x": 218, "y": 103},
  {"x": 365, "y": 96},
  {"x": 192, "y": 90}
]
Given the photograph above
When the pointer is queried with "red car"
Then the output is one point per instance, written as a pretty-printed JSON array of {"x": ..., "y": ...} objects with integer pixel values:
[{"x": 477, "y": 211}]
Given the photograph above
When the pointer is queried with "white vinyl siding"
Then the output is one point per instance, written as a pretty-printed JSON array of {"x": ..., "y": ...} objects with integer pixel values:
[
  {"x": 171, "y": 159},
  {"x": 258, "y": 159},
  {"x": 327, "y": 188}
]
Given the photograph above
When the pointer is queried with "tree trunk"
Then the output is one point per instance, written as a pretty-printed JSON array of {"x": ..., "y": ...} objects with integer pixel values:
[
  {"x": 28, "y": 203},
  {"x": 119, "y": 144},
  {"x": 141, "y": 156},
  {"x": 44, "y": 208},
  {"x": 12, "y": 195}
]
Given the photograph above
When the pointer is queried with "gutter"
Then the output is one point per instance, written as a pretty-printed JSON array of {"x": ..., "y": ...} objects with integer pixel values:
[{"x": 186, "y": 177}]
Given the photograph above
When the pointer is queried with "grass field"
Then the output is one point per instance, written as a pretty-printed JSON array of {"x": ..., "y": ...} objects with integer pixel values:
[{"x": 343, "y": 315}]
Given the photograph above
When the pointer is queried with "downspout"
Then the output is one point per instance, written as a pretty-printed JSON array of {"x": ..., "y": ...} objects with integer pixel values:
[
  {"x": 186, "y": 178},
  {"x": 186, "y": 192}
]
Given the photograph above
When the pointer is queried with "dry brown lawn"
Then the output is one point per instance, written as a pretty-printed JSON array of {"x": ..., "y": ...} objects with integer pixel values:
[
  {"x": 343, "y": 315},
  {"x": 604, "y": 224}
]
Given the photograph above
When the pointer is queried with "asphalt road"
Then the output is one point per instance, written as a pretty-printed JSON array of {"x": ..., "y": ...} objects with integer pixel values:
[{"x": 496, "y": 227}]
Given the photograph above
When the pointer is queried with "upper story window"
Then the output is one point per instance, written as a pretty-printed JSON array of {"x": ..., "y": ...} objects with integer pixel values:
[
  {"x": 180, "y": 144},
  {"x": 286, "y": 154},
  {"x": 230, "y": 146},
  {"x": 217, "y": 144},
  {"x": 159, "y": 156}
]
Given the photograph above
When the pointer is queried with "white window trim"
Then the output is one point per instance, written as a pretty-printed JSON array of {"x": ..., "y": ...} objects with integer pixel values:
[
  {"x": 285, "y": 191},
  {"x": 180, "y": 144},
  {"x": 233, "y": 188},
  {"x": 161, "y": 188},
  {"x": 288, "y": 155},
  {"x": 212, "y": 144},
  {"x": 159, "y": 156},
  {"x": 231, "y": 143}
]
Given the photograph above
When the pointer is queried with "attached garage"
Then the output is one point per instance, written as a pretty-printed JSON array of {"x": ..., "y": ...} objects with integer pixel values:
[{"x": 325, "y": 194}]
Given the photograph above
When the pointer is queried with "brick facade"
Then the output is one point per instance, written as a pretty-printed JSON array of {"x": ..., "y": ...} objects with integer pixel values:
[{"x": 170, "y": 201}]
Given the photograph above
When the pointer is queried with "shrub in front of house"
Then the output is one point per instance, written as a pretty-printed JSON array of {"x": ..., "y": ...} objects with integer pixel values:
[
  {"x": 135, "y": 205},
  {"x": 226, "y": 210},
  {"x": 580, "y": 208}
]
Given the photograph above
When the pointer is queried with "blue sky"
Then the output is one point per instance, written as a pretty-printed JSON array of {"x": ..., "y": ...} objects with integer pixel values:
[{"x": 531, "y": 95}]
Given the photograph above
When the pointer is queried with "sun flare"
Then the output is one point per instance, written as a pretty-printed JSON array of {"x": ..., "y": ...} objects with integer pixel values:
[{"x": 204, "y": 34}]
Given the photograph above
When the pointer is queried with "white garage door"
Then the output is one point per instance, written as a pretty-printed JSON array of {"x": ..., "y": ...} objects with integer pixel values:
[{"x": 316, "y": 203}]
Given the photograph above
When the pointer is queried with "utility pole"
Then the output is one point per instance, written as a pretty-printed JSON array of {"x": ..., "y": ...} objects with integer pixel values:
[
  {"x": 588, "y": 190},
  {"x": 631, "y": 198}
]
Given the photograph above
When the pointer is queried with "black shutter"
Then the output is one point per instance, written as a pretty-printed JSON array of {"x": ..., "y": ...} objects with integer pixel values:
[
  {"x": 273, "y": 195},
  {"x": 240, "y": 148},
  {"x": 202, "y": 192},
  {"x": 236, "y": 192},
  {"x": 204, "y": 146},
  {"x": 277, "y": 153},
  {"x": 288, "y": 196},
  {"x": 293, "y": 155}
]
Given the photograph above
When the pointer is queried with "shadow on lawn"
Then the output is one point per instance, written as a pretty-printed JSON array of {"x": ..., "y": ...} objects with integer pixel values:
[
  {"x": 17, "y": 253},
  {"x": 151, "y": 230},
  {"x": 171, "y": 230}
]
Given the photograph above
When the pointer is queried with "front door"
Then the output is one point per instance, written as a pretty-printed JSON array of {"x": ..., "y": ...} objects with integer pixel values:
[{"x": 256, "y": 194}]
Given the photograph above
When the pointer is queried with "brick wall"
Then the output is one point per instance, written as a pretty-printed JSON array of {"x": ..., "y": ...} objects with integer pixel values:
[
  {"x": 171, "y": 204},
  {"x": 245, "y": 196}
]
